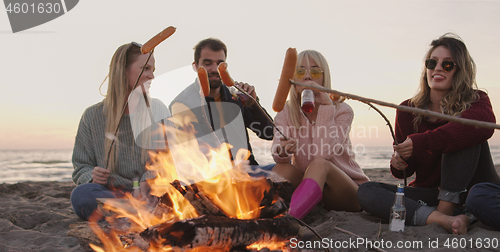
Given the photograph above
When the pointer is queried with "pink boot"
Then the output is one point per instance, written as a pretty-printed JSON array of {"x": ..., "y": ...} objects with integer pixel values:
[{"x": 307, "y": 195}]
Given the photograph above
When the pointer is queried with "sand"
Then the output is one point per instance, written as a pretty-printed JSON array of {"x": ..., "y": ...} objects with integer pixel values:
[{"x": 37, "y": 216}]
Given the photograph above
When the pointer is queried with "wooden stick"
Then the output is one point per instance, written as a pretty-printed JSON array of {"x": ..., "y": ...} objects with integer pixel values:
[
  {"x": 261, "y": 109},
  {"x": 392, "y": 131},
  {"x": 124, "y": 109},
  {"x": 310, "y": 228},
  {"x": 475, "y": 123},
  {"x": 353, "y": 234}
]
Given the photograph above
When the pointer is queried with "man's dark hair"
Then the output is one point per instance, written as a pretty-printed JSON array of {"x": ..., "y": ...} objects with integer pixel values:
[{"x": 212, "y": 43}]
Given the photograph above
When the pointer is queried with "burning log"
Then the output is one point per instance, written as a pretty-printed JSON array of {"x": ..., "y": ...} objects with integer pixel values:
[
  {"x": 280, "y": 188},
  {"x": 198, "y": 200},
  {"x": 274, "y": 203},
  {"x": 222, "y": 232},
  {"x": 274, "y": 209}
]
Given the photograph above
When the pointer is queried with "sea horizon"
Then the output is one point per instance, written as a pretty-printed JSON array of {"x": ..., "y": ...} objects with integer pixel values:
[{"x": 19, "y": 165}]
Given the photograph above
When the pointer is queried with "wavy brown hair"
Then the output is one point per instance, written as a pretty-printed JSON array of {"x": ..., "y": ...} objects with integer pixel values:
[
  {"x": 463, "y": 90},
  {"x": 116, "y": 96}
]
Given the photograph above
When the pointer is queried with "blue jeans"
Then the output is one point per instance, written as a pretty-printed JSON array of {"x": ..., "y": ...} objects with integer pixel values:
[
  {"x": 83, "y": 198},
  {"x": 484, "y": 202},
  {"x": 260, "y": 170},
  {"x": 459, "y": 171}
]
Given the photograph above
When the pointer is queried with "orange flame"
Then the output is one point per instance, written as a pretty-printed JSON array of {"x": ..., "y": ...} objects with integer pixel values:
[{"x": 227, "y": 185}]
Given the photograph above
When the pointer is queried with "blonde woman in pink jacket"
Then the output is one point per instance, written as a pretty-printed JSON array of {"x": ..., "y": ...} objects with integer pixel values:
[{"x": 317, "y": 159}]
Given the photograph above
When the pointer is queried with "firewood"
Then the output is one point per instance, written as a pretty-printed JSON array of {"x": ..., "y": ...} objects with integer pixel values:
[
  {"x": 200, "y": 202},
  {"x": 282, "y": 188},
  {"x": 273, "y": 210},
  {"x": 222, "y": 232}
]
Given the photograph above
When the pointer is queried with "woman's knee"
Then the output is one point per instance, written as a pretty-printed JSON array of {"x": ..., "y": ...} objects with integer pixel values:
[
  {"x": 321, "y": 165},
  {"x": 289, "y": 172},
  {"x": 83, "y": 198}
]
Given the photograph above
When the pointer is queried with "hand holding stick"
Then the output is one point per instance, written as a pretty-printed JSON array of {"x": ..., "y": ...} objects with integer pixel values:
[{"x": 392, "y": 132}]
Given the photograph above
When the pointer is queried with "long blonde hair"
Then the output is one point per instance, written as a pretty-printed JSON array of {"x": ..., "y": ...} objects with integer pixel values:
[
  {"x": 463, "y": 90},
  {"x": 116, "y": 97},
  {"x": 294, "y": 97}
]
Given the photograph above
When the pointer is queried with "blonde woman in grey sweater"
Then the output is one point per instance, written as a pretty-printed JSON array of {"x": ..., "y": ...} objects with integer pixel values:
[{"x": 107, "y": 164}]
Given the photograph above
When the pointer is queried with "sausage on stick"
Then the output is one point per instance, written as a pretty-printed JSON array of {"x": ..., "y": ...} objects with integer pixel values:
[
  {"x": 203, "y": 79},
  {"x": 284, "y": 84},
  {"x": 154, "y": 41},
  {"x": 224, "y": 74}
]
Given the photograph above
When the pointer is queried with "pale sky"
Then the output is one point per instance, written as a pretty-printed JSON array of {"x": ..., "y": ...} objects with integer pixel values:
[{"x": 375, "y": 49}]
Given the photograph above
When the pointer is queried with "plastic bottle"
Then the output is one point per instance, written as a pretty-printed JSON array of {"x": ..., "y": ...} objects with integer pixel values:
[
  {"x": 398, "y": 211},
  {"x": 136, "y": 193},
  {"x": 307, "y": 99},
  {"x": 243, "y": 98}
]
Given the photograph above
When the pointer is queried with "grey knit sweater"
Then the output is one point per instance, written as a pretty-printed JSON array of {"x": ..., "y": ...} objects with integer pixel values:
[{"x": 89, "y": 152}]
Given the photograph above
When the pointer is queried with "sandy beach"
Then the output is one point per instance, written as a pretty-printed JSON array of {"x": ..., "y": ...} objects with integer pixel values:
[{"x": 37, "y": 216}]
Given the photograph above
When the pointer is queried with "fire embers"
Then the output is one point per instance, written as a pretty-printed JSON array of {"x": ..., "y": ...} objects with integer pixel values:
[{"x": 212, "y": 228}]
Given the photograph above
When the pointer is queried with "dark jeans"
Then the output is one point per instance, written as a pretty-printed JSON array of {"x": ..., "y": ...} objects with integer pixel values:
[
  {"x": 83, "y": 198},
  {"x": 484, "y": 202},
  {"x": 260, "y": 170},
  {"x": 459, "y": 171}
]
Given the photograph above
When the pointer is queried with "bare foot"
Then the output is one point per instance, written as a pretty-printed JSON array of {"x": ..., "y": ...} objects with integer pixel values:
[{"x": 457, "y": 225}]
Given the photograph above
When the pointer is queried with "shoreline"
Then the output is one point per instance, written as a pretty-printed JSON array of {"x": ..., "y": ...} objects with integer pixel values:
[{"x": 37, "y": 216}]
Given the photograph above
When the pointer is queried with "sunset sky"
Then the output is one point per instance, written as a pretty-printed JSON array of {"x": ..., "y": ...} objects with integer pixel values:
[{"x": 375, "y": 49}]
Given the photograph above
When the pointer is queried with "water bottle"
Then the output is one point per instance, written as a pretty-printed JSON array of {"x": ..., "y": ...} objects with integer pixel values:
[
  {"x": 136, "y": 193},
  {"x": 307, "y": 99},
  {"x": 398, "y": 211},
  {"x": 243, "y": 98}
]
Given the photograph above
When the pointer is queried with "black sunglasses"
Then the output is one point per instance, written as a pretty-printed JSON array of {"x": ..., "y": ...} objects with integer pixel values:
[{"x": 447, "y": 65}]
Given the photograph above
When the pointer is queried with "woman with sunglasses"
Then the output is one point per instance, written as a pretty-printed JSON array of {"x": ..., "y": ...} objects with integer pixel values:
[
  {"x": 317, "y": 158},
  {"x": 447, "y": 158},
  {"x": 107, "y": 164}
]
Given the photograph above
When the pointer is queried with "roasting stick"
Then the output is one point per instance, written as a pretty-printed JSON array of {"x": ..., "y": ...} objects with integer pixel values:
[
  {"x": 368, "y": 101},
  {"x": 261, "y": 109},
  {"x": 148, "y": 47},
  {"x": 477, "y": 124},
  {"x": 228, "y": 81},
  {"x": 392, "y": 131}
]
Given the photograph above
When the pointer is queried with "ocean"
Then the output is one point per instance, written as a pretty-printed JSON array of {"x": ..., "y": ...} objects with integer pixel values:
[{"x": 55, "y": 165}]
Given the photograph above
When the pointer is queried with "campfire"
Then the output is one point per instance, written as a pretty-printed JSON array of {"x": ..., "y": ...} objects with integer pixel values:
[{"x": 203, "y": 201}]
